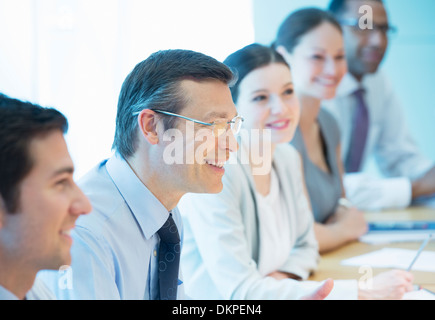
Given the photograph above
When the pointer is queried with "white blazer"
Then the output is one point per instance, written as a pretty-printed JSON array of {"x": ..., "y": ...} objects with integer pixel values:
[{"x": 221, "y": 239}]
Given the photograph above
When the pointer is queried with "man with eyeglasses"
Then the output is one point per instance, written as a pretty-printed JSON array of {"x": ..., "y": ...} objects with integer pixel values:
[
  {"x": 371, "y": 120},
  {"x": 128, "y": 247}
]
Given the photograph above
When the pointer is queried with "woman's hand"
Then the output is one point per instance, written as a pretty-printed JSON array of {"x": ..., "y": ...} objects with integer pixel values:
[
  {"x": 390, "y": 285},
  {"x": 349, "y": 222}
]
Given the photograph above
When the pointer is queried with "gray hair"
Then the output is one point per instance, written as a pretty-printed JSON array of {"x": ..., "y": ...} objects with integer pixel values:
[{"x": 155, "y": 84}]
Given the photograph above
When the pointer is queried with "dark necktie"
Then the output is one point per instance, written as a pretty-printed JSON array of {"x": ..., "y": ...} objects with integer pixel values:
[
  {"x": 169, "y": 259},
  {"x": 359, "y": 134}
]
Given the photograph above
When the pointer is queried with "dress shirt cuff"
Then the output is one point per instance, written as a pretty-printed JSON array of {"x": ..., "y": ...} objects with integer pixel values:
[
  {"x": 398, "y": 192},
  {"x": 300, "y": 272},
  {"x": 302, "y": 264},
  {"x": 369, "y": 193}
]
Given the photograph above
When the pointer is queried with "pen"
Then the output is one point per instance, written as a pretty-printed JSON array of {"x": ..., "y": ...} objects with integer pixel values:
[{"x": 419, "y": 251}]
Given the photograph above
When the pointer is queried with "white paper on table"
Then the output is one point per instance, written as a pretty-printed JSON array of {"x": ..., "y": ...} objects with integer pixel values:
[
  {"x": 421, "y": 294},
  {"x": 396, "y": 236},
  {"x": 394, "y": 258}
]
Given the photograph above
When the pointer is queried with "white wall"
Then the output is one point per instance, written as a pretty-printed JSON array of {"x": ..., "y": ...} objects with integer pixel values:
[{"x": 75, "y": 54}]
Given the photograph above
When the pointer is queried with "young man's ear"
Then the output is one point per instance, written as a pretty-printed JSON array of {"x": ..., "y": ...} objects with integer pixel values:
[{"x": 147, "y": 121}]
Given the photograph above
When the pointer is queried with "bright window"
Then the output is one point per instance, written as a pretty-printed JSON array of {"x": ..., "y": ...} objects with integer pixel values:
[{"x": 75, "y": 54}]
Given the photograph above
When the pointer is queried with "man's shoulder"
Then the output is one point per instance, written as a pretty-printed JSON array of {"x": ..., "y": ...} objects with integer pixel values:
[
  {"x": 96, "y": 176},
  {"x": 40, "y": 291},
  {"x": 103, "y": 194}
]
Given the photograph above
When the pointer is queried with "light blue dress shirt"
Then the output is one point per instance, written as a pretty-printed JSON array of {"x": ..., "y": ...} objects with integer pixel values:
[
  {"x": 6, "y": 294},
  {"x": 391, "y": 158},
  {"x": 38, "y": 292},
  {"x": 115, "y": 248}
]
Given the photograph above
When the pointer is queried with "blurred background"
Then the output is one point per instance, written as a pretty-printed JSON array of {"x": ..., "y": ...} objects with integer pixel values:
[{"x": 74, "y": 54}]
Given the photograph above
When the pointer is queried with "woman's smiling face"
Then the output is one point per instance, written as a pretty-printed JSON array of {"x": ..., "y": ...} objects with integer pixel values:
[
  {"x": 267, "y": 101},
  {"x": 318, "y": 62}
]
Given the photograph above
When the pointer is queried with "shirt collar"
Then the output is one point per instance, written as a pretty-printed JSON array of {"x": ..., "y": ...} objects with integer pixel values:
[
  {"x": 348, "y": 85},
  {"x": 146, "y": 208}
]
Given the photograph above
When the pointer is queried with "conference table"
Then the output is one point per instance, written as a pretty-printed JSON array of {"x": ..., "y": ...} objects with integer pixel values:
[{"x": 331, "y": 266}]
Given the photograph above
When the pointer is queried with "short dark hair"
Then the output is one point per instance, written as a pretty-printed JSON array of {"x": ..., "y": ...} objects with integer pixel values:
[
  {"x": 299, "y": 23},
  {"x": 247, "y": 59},
  {"x": 154, "y": 84},
  {"x": 20, "y": 123},
  {"x": 337, "y": 7}
]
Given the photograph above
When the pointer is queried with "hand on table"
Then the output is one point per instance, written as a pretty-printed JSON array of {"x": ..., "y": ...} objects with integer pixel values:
[
  {"x": 322, "y": 292},
  {"x": 350, "y": 222},
  {"x": 390, "y": 285}
]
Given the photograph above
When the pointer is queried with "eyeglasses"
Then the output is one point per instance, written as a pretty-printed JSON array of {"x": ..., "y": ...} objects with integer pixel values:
[
  {"x": 218, "y": 127},
  {"x": 385, "y": 29}
]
